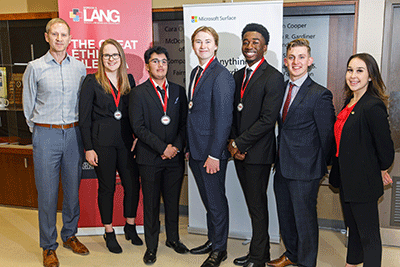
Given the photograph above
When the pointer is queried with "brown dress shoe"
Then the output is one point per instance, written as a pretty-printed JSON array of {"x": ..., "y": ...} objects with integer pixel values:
[
  {"x": 50, "y": 258},
  {"x": 76, "y": 246},
  {"x": 281, "y": 262}
]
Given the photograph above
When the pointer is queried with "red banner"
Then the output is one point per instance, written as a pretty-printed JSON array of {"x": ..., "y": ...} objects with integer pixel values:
[{"x": 92, "y": 22}]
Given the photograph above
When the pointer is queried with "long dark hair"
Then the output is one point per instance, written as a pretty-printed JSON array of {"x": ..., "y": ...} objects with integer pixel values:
[{"x": 376, "y": 87}]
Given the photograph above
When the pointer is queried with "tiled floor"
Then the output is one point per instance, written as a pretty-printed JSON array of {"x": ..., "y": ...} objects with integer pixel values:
[{"x": 19, "y": 237}]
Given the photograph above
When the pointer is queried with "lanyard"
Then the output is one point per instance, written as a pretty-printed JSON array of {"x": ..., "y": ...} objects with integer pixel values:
[
  {"x": 208, "y": 64},
  {"x": 165, "y": 103},
  {"x": 244, "y": 86},
  {"x": 116, "y": 99}
]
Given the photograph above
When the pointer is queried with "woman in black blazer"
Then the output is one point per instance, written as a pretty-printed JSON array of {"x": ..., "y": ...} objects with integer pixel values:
[
  {"x": 108, "y": 138},
  {"x": 364, "y": 152}
]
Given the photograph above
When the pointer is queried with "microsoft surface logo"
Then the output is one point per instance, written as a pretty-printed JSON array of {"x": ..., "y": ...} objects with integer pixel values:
[{"x": 194, "y": 19}]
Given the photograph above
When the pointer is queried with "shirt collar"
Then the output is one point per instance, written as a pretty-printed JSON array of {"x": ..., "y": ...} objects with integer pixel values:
[
  {"x": 299, "y": 82},
  {"x": 156, "y": 84},
  {"x": 204, "y": 66},
  {"x": 49, "y": 57},
  {"x": 254, "y": 66}
]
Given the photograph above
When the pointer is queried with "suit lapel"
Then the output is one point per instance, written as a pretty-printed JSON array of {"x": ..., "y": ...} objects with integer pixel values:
[
  {"x": 259, "y": 72},
  {"x": 299, "y": 97},
  {"x": 173, "y": 95},
  {"x": 205, "y": 75},
  {"x": 152, "y": 92},
  {"x": 192, "y": 74}
]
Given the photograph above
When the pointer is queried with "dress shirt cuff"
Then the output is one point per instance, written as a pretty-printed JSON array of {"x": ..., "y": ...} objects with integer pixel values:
[{"x": 211, "y": 157}]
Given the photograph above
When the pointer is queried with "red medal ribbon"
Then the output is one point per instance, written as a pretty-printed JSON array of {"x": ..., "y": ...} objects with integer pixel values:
[
  {"x": 116, "y": 99},
  {"x": 208, "y": 64},
  {"x": 244, "y": 86},
  {"x": 165, "y": 103}
]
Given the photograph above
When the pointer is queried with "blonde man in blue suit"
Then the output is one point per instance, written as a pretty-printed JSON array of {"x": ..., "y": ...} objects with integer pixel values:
[{"x": 209, "y": 122}]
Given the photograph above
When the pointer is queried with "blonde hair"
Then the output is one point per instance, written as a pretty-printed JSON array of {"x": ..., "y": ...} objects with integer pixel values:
[
  {"x": 122, "y": 75},
  {"x": 209, "y": 30},
  {"x": 299, "y": 42},
  {"x": 55, "y": 21}
]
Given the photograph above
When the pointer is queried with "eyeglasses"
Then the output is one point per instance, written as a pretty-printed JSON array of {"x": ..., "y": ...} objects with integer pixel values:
[
  {"x": 156, "y": 61},
  {"x": 114, "y": 56}
]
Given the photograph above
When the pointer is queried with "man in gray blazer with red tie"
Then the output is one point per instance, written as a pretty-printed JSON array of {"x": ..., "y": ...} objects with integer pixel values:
[{"x": 304, "y": 144}]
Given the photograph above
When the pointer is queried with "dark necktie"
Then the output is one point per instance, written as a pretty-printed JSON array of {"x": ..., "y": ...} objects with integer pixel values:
[
  {"x": 162, "y": 92},
  {"x": 248, "y": 74},
  {"x": 287, "y": 102},
  {"x": 199, "y": 71}
]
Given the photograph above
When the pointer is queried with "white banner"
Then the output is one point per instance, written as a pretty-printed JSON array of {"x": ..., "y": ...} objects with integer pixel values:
[{"x": 229, "y": 19}]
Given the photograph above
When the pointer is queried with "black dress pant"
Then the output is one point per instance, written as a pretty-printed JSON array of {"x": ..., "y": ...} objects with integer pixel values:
[
  {"x": 112, "y": 159},
  {"x": 167, "y": 180},
  {"x": 364, "y": 243},
  {"x": 254, "y": 181}
]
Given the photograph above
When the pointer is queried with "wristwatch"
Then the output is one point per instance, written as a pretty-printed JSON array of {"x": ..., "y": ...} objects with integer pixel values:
[{"x": 234, "y": 144}]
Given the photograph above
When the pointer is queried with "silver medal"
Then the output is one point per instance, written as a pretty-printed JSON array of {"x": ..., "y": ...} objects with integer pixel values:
[
  {"x": 240, "y": 107},
  {"x": 117, "y": 115},
  {"x": 165, "y": 119}
]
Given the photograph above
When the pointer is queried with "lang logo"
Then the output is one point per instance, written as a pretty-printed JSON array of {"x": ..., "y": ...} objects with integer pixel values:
[
  {"x": 74, "y": 14},
  {"x": 194, "y": 19},
  {"x": 92, "y": 15}
]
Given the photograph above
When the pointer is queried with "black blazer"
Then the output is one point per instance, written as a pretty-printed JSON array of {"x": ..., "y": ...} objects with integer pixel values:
[
  {"x": 254, "y": 127},
  {"x": 366, "y": 148},
  {"x": 145, "y": 112},
  {"x": 96, "y": 115}
]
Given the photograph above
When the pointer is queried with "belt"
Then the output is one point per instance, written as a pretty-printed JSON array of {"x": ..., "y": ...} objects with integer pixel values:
[{"x": 58, "y": 126}]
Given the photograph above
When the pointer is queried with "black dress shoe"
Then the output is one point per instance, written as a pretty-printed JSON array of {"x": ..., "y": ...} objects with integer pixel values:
[
  {"x": 150, "y": 256},
  {"x": 203, "y": 249},
  {"x": 177, "y": 246},
  {"x": 241, "y": 260},
  {"x": 112, "y": 243},
  {"x": 215, "y": 259},
  {"x": 251, "y": 264}
]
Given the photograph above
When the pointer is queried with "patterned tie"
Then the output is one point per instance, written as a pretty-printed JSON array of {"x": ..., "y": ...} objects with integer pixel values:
[
  {"x": 162, "y": 92},
  {"x": 287, "y": 102},
  {"x": 248, "y": 74}
]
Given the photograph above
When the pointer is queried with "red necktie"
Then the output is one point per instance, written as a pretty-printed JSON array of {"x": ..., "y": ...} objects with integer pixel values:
[{"x": 287, "y": 102}]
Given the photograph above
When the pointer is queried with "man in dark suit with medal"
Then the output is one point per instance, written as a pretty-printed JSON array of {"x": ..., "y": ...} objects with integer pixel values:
[
  {"x": 258, "y": 99},
  {"x": 158, "y": 112},
  {"x": 209, "y": 123},
  {"x": 304, "y": 144}
]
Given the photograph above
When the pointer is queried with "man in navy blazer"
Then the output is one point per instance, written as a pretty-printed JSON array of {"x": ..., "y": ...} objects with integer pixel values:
[
  {"x": 258, "y": 99},
  {"x": 158, "y": 111},
  {"x": 304, "y": 144},
  {"x": 208, "y": 126}
]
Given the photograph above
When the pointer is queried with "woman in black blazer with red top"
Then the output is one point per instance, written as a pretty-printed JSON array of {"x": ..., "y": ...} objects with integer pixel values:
[
  {"x": 108, "y": 138},
  {"x": 364, "y": 152}
]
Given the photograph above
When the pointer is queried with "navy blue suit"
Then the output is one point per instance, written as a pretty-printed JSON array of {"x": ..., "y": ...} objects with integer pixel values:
[
  {"x": 304, "y": 144},
  {"x": 208, "y": 127}
]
